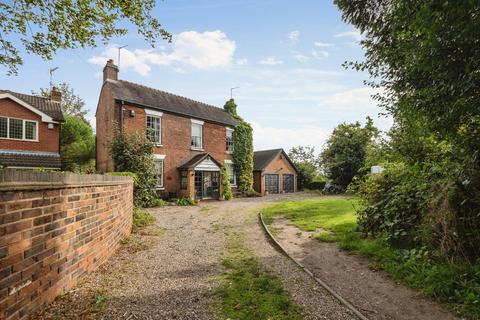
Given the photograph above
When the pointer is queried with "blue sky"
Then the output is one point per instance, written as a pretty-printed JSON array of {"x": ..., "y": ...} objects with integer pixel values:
[{"x": 286, "y": 57}]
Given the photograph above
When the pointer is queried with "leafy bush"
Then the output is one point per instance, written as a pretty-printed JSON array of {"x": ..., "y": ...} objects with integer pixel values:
[
  {"x": 185, "y": 201},
  {"x": 227, "y": 189},
  {"x": 159, "y": 202},
  {"x": 141, "y": 218},
  {"x": 77, "y": 145},
  {"x": 316, "y": 185},
  {"x": 394, "y": 202},
  {"x": 134, "y": 153}
]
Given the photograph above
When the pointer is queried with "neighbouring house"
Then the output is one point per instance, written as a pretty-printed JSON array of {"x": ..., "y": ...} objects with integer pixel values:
[
  {"x": 193, "y": 140},
  {"x": 273, "y": 172},
  {"x": 30, "y": 130}
]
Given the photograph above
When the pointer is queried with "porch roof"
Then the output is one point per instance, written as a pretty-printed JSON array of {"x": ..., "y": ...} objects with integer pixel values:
[{"x": 196, "y": 160}]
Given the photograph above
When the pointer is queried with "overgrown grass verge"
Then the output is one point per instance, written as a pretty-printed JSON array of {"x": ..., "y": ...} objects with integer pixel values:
[
  {"x": 141, "y": 219},
  {"x": 454, "y": 283},
  {"x": 249, "y": 291},
  {"x": 144, "y": 232}
]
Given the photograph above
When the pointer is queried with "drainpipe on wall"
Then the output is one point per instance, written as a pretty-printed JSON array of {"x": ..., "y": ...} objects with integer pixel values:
[{"x": 122, "y": 109}]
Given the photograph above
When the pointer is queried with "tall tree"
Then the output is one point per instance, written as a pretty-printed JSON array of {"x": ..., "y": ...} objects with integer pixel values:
[
  {"x": 346, "y": 150},
  {"x": 243, "y": 149},
  {"x": 43, "y": 27},
  {"x": 72, "y": 104},
  {"x": 425, "y": 54},
  {"x": 77, "y": 145},
  {"x": 306, "y": 162}
]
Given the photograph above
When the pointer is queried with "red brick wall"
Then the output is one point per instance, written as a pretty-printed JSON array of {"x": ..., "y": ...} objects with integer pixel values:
[
  {"x": 50, "y": 237},
  {"x": 49, "y": 139}
]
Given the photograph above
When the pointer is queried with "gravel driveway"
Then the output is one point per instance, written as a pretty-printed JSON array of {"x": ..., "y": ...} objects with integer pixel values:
[{"x": 175, "y": 279}]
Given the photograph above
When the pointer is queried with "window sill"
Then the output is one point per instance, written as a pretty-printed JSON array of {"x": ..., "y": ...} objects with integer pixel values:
[
  {"x": 159, "y": 188},
  {"x": 158, "y": 145},
  {"x": 14, "y": 139},
  {"x": 197, "y": 149},
  {"x": 229, "y": 152}
]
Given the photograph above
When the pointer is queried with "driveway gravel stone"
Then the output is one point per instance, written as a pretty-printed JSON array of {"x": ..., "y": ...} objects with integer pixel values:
[{"x": 176, "y": 278}]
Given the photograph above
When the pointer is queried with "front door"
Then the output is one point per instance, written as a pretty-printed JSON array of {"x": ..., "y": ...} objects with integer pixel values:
[{"x": 207, "y": 184}]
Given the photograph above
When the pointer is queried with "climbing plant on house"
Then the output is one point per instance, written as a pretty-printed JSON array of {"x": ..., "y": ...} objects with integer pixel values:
[{"x": 243, "y": 150}]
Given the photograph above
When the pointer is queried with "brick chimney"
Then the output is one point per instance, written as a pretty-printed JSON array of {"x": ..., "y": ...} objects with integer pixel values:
[
  {"x": 110, "y": 71},
  {"x": 55, "y": 95}
]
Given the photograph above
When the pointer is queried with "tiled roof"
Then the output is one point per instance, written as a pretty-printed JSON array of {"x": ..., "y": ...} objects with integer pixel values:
[
  {"x": 261, "y": 159},
  {"x": 168, "y": 102},
  {"x": 29, "y": 159},
  {"x": 47, "y": 106}
]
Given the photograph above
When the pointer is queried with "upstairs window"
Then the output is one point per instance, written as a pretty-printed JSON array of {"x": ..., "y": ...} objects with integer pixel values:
[
  {"x": 154, "y": 129},
  {"x": 197, "y": 134},
  {"x": 229, "y": 140},
  {"x": 18, "y": 129}
]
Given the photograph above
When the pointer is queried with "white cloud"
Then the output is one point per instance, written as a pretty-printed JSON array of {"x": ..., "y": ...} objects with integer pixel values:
[
  {"x": 202, "y": 50},
  {"x": 301, "y": 57},
  {"x": 294, "y": 37},
  {"x": 319, "y": 54},
  {"x": 265, "y": 137},
  {"x": 272, "y": 61},
  {"x": 323, "y": 44},
  {"x": 356, "y": 35},
  {"x": 241, "y": 62}
]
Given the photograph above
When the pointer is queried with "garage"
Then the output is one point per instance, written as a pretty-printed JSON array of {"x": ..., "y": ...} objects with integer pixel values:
[
  {"x": 289, "y": 183},
  {"x": 271, "y": 183},
  {"x": 273, "y": 172}
]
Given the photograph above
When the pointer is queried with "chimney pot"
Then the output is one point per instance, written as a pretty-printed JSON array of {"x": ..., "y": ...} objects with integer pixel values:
[
  {"x": 55, "y": 94},
  {"x": 110, "y": 71}
]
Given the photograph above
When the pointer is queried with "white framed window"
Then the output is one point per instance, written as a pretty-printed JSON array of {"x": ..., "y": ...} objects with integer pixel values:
[
  {"x": 18, "y": 129},
  {"x": 197, "y": 134},
  {"x": 232, "y": 177},
  {"x": 229, "y": 140},
  {"x": 154, "y": 128},
  {"x": 159, "y": 173}
]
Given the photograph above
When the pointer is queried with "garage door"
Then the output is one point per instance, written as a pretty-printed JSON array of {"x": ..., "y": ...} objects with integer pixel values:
[
  {"x": 288, "y": 182},
  {"x": 271, "y": 183}
]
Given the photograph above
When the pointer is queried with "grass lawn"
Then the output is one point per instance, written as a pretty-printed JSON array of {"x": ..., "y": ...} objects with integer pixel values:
[
  {"x": 455, "y": 283},
  {"x": 249, "y": 291}
]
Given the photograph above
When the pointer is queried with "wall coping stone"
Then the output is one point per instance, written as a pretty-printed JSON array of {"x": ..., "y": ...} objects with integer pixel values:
[{"x": 14, "y": 179}]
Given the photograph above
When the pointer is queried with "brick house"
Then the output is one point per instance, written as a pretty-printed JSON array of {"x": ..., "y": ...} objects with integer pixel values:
[
  {"x": 30, "y": 130},
  {"x": 193, "y": 139},
  {"x": 273, "y": 172}
]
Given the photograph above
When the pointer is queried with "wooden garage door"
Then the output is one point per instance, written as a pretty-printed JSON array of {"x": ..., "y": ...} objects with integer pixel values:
[
  {"x": 288, "y": 183},
  {"x": 271, "y": 183}
]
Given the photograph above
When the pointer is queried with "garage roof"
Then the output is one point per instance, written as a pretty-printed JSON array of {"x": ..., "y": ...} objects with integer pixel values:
[{"x": 261, "y": 159}]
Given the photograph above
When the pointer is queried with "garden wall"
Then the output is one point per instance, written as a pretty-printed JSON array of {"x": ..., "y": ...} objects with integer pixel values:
[{"x": 55, "y": 227}]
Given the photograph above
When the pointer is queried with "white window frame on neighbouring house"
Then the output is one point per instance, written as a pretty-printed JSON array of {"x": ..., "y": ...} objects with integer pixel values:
[
  {"x": 197, "y": 139},
  {"x": 160, "y": 169},
  {"x": 232, "y": 177},
  {"x": 229, "y": 147},
  {"x": 154, "y": 126},
  {"x": 23, "y": 137}
]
